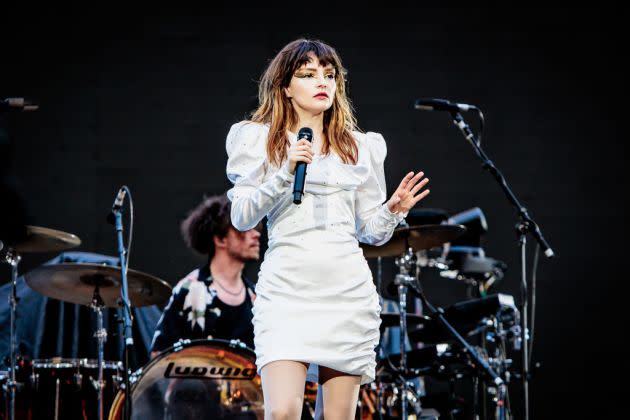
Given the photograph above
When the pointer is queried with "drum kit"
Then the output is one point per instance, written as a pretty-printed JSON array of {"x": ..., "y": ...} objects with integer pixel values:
[
  {"x": 190, "y": 380},
  {"x": 66, "y": 388},
  {"x": 217, "y": 378}
]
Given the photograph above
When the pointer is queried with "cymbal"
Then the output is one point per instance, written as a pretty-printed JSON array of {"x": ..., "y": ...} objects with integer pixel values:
[
  {"x": 41, "y": 239},
  {"x": 417, "y": 237},
  {"x": 76, "y": 283},
  {"x": 392, "y": 319}
]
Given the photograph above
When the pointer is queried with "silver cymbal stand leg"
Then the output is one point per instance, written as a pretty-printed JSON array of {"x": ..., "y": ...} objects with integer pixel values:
[
  {"x": 406, "y": 263},
  {"x": 13, "y": 259},
  {"x": 101, "y": 336}
]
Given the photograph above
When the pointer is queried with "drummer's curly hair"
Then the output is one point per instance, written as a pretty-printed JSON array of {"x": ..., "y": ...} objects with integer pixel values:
[{"x": 211, "y": 217}]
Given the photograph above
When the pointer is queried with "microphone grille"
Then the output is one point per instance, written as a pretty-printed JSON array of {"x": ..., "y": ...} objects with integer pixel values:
[{"x": 305, "y": 133}]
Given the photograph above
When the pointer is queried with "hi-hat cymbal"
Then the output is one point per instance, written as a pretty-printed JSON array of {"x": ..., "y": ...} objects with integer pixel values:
[
  {"x": 41, "y": 239},
  {"x": 76, "y": 283},
  {"x": 416, "y": 237}
]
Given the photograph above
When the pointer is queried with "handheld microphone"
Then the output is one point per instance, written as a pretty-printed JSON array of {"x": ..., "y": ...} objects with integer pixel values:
[
  {"x": 300, "y": 168},
  {"x": 118, "y": 202},
  {"x": 431, "y": 104},
  {"x": 17, "y": 104}
]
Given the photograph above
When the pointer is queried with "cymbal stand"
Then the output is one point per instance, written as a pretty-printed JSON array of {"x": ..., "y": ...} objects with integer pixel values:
[
  {"x": 13, "y": 259},
  {"x": 101, "y": 336},
  {"x": 406, "y": 263}
]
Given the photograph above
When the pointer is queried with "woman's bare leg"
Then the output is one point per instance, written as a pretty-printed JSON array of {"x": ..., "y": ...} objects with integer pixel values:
[
  {"x": 283, "y": 384},
  {"x": 340, "y": 392}
]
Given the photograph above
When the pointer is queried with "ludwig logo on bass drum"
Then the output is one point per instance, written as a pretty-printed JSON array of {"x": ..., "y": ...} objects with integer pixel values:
[{"x": 211, "y": 372}]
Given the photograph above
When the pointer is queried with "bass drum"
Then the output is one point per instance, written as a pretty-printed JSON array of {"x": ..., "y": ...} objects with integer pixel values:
[{"x": 196, "y": 379}]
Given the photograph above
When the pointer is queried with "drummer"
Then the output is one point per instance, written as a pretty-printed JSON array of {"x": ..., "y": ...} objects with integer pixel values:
[{"x": 214, "y": 301}]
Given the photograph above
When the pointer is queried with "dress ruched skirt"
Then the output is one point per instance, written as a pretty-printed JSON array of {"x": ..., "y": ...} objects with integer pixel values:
[{"x": 329, "y": 314}]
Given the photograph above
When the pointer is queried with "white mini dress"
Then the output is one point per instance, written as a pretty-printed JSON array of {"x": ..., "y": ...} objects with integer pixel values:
[{"x": 316, "y": 300}]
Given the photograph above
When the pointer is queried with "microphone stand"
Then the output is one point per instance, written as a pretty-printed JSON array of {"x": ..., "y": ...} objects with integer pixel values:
[
  {"x": 127, "y": 331},
  {"x": 524, "y": 226}
]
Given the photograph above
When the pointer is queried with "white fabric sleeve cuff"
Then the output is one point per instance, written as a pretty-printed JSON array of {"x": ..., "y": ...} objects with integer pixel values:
[{"x": 393, "y": 217}]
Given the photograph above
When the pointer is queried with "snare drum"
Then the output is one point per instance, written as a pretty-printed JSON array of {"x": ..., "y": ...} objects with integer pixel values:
[{"x": 196, "y": 379}]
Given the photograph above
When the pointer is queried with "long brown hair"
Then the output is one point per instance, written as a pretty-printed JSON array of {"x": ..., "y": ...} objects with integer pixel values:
[{"x": 276, "y": 110}]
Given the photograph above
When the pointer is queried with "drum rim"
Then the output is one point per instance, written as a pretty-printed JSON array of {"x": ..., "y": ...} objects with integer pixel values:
[
  {"x": 107, "y": 364},
  {"x": 183, "y": 344},
  {"x": 73, "y": 362},
  {"x": 55, "y": 363}
]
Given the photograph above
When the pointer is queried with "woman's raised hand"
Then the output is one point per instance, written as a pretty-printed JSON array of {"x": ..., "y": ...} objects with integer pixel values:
[
  {"x": 300, "y": 151},
  {"x": 408, "y": 193}
]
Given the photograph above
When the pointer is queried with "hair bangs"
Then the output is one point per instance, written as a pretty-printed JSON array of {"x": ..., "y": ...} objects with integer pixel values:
[{"x": 300, "y": 56}]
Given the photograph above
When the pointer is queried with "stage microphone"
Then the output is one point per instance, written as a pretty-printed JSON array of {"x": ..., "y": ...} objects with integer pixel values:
[
  {"x": 118, "y": 202},
  {"x": 300, "y": 168},
  {"x": 17, "y": 104},
  {"x": 431, "y": 104}
]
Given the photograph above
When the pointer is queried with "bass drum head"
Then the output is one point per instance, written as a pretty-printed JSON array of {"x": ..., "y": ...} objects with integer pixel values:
[{"x": 198, "y": 379}]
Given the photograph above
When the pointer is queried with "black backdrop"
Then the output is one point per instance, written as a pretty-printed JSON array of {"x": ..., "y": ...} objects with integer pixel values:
[{"x": 147, "y": 102}]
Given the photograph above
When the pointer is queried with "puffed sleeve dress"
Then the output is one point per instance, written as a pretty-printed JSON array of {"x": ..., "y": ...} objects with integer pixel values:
[{"x": 316, "y": 300}]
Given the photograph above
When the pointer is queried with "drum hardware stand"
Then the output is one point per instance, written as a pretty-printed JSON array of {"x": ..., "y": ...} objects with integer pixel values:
[
  {"x": 524, "y": 226},
  {"x": 484, "y": 386},
  {"x": 403, "y": 280},
  {"x": 115, "y": 217},
  {"x": 13, "y": 259},
  {"x": 405, "y": 263},
  {"x": 470, "y": 350},
  {"x": 101, "y": 336}
]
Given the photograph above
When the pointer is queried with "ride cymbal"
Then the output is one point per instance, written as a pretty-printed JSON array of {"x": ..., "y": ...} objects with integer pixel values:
[{"x": 77, "y": 282}]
